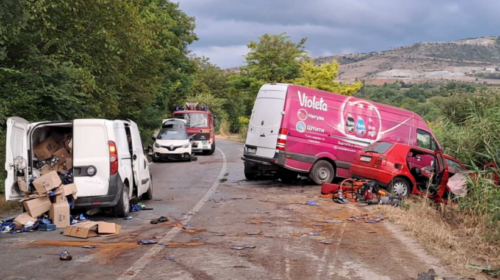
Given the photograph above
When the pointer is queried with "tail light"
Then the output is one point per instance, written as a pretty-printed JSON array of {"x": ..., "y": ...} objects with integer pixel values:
[
  {"x": 113, "y": 158},
  {"x": 280, "y": 145},
  {"x": 381, "y": 161}
]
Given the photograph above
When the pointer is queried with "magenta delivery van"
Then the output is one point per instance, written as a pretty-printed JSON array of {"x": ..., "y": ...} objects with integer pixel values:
[{"x": 298, "y": 130}]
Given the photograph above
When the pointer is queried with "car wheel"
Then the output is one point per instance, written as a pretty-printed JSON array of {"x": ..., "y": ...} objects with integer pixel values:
[
  {"x": 211, "y": 151},
  {"x": 149, "y": 194},
  {"x": 287, "y": 176},
  {"x": 322, "y": 172},
  {"x": 250, "y": 173},
  {"x": 400, "y": 187},
  {"x": 122, "y": 209},
  {"x": 155, "y": 158}
]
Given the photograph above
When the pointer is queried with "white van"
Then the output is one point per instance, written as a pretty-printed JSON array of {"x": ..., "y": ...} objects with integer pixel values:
[{"x": 108, "y": 170}]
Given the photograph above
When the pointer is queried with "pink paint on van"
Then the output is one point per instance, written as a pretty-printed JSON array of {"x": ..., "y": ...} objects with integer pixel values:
[{"x": 294, "y": 129}]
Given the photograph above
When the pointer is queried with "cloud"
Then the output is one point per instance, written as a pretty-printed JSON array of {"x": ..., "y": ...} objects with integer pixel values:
[
  {"x": 224, "y": 57},
  {"x": 334, "y": 27}
]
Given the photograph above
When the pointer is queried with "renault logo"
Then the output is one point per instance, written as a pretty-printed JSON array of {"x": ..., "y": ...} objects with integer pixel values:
[{"x": 171, "y": 147}]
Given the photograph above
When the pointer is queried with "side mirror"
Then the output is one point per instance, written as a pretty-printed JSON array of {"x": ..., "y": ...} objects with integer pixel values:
[{"x": 154, "y": 138}]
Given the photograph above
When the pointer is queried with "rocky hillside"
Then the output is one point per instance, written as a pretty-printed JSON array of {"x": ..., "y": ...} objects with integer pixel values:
[{"x": 475, "y": 60}]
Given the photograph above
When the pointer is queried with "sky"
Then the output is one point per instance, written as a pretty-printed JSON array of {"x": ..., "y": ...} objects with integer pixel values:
[{"x": 225, "y": 27}]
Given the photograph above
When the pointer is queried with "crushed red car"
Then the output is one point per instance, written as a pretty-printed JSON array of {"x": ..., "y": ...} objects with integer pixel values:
[{"x": 405, "y": 170}]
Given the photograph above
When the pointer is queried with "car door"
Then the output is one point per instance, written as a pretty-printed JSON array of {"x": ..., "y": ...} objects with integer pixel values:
[
  {"x": 442, "y": 173},
  {"x": 16, "y": 155},
  {"x": 140, "y": 164}
]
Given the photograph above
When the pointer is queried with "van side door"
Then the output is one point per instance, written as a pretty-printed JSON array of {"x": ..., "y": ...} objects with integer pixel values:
[
  {"x": 140, "y": 164},
  {"x": 16, "y": 156}
]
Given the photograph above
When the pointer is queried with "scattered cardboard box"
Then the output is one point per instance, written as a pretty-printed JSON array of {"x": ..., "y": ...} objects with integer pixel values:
[
  {"x": 45, "y": 149},
  {"x": 21, "y": 183},
  {"x": 91, "y": 229},
  {"x": 58, "y": 137},
  {"x": 59, "y": 214},
  {"x": 66, "y": 190},
  {"x": 30, "y": 196},
  {"x": 22, "y": 220},
  {"x": 47, "y": 182},
  {"x": 60, "y": 198},
  {"x": 47, "y": 168},
  {"x": 62, "y": 154},
  {"x": 65, "y": 166},
  {"x": 37, "y": 206}
]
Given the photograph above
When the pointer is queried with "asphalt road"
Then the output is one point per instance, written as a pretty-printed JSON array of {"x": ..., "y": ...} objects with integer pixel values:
[{"x": 225, "y": 211}]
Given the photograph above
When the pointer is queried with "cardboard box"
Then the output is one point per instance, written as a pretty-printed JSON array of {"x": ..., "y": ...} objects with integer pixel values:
[
  {"x": 47, "y": 182},
  {"x": 68, "y": 141},
  {"x": 65, "y": 166},
  {"x": 66, "y": 190},
  {"x": 37, "y": 206},
  {"x": 59, "y": 214},
  {"x": 22, "y": 220},
  {"x": 21, "y": 183},
  {"x": 30, "y": 196},
  {"x": 62, "y": 154},
  {"x": 60, "y": 198},
  {"x": 91, "y": 229},
  {"x": 58, "y": 137},
  {"x": 47, "y": 168},
  {"x": 45, "y": 149}
]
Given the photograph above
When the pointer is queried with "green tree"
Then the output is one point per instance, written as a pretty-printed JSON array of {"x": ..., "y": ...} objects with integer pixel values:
[
  {"x": 323, "y": 77},
  {"x": 274, "y": 58}
]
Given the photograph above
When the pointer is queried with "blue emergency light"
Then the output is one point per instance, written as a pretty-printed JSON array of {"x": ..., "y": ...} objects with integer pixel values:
[{"x": 204, "y": 108}]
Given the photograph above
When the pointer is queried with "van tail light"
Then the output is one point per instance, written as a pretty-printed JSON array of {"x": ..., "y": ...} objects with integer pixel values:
[
  {"x": 280, "y": 145},
  {"x": 113, "y": 158},
  {"x": 381, "y": 161}
]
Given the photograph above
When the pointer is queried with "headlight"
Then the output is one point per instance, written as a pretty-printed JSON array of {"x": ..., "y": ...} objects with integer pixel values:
[
  {"x": 185, "y": 145},
  {"x": 157, "y": 145}
]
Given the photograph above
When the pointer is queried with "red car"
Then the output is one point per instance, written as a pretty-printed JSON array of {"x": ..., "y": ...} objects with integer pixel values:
[{"x": 406, "y": 170}]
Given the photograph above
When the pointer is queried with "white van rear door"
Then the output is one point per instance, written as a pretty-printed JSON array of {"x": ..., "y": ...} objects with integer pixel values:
[
  {"x": 266, "y": 119},
  {"x": 16, "y": 155},
  {"x": 91, "y": 149},
  {"x": 140, "y": 164}
]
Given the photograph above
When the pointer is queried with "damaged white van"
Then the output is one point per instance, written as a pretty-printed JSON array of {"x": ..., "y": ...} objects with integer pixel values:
[{"x": 105, "y": 158}]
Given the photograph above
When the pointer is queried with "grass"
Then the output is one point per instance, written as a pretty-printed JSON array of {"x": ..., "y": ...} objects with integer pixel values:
[
  {"x": 8, "y": 206},
  {"x": 455, "y": 236}
]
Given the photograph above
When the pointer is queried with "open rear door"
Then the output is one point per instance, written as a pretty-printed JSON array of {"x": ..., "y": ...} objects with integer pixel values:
[
  {"x": 140, "y": 165},
  {"x": 16, "y": 155},
  {"x": 442, "y": 173}
]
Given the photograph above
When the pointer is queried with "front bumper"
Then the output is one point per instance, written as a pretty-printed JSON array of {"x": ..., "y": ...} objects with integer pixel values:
[
  {"x": 177, "y": 151},
  {"x": 184, "y": 156}
]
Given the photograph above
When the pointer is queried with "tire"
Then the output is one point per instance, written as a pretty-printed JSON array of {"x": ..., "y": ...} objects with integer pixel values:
[
  {"x": 400, "y": 187},
  {"x": 122, "y": 209},
  {"x": 211, "y": 151},
  {"x": 322, "y": 172},
  {"x": 287, "y": 176},
  {"x": 249, "y": 172},
  {"x": 155, "y": 159},
  {"x": 149, "y": 194}
]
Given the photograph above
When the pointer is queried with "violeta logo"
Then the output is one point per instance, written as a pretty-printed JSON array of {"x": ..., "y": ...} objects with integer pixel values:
[{"x": 305, "y": 101}]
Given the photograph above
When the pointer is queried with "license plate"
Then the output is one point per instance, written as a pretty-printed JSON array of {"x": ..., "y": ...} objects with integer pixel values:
[
  {"x": 251, "y": 150},
  {"x": 365, "y": 159}
]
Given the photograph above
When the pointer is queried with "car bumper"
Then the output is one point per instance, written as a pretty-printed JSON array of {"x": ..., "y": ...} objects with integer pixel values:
[
  {"x": 109, "y": 200},
  {"x": 177, "y": 151},
  {"x": 381, "y": 176},
  {"x": 198, "y": 145}
]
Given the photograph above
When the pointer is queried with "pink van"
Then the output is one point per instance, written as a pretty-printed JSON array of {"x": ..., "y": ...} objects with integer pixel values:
[{"x": 298, "y": 130}]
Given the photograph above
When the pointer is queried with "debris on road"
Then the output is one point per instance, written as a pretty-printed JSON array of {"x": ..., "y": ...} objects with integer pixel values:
[
  {"x": 128, "y": 218},
  {"x": 170, "y": 258},
  {"x": 253, "y": 233},
  {"x": 65, "y": 256},
  {"x": 327, "y": 242},
  {"x": 243, "y": 247},
  {"x": 88, "y": 247},
  {"x": 312, "y": 203},
  {"x": 161, "y": 219},
  {"x": 188, "y": 227},
  {"x": 92, "y": 229},
  {"x": 220, "y": 234},
  {"x": 366, "y": 219},
  {"x": 269, "y": 236},
  {"x": 146, "y": 242}
]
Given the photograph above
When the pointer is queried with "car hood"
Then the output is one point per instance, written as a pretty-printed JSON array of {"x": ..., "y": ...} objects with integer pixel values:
[{"x": 168, "y": 142}]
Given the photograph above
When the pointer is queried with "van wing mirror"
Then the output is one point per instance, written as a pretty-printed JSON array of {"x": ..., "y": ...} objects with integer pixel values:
[{"x": 154, "y": 138}]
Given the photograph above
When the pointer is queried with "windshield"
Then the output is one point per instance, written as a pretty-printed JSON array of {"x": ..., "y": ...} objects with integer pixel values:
[
  {"x": 194, "y": 119},
  {"x": 172, "y": 134}
]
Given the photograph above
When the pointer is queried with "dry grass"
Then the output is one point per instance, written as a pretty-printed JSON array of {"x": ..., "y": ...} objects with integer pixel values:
[
  {"x": 455, "y": 237},
  {"x": 224, "y": 128},
  {"x": 8, "y": 206}
]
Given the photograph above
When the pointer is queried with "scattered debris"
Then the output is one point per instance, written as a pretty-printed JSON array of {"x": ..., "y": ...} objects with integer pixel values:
[
  {"x": 188, "y": 227},
  {"x": 88, "y": 247},
  {"x": 128, "y": 218},
  {"x": 486, "y": 270},
  {"x": 253, "y": 233},
  {"x": 269, "y": 236},
  {"x": 327, "y": 242},
  {"x": 220, "y": 234},
  {"x": 65, "y": 256},
  {"x": 243, "y": 247},
  {"x": 170, "y": 258},
  {"x": 265, "y": 222},
  {"x": 91, "y": 229},
  {"x": 146, "y": 242},
  {"x": 161, "y": 219},
  {"x": 366, "y": 219},
  {"x": 332, "y": 221},
  {"x": 312, "y": 203}
]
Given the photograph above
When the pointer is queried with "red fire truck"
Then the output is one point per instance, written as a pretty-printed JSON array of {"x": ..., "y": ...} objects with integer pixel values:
[{"x": 201, "y": 124}]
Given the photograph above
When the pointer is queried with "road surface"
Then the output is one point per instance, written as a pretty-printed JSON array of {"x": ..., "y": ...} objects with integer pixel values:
[{"x": 286, "y": 237}]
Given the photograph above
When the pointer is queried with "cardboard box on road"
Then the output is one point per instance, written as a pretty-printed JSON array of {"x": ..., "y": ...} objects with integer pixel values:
[
  {"x": 47, "y": 182},
  {"x": 45, "y": 149},
  {"x": 92, "y": 229},
  {"x": 59, "y": 214},
  {"x": 37, "y": 206},
  {"x": 22, "y": 220}
]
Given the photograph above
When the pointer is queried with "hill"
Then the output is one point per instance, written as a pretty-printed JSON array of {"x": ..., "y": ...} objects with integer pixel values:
[{"x": 475, "y": 60}]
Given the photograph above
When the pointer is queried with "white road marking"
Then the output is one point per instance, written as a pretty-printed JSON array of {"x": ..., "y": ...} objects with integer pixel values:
[{"x": 141, "y": 263}]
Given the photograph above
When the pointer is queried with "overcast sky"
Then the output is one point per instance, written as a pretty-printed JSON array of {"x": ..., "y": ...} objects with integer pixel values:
[{"x": 224, "y": 27}]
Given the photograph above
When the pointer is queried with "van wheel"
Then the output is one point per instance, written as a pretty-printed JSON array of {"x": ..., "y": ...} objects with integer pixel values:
[
  {"x": 211, "y": 151},
  {"x": 149, "y": 194},
  {"x": 287, "y": 176},
  {"x": 400, "y": 187},
  {"x": 322, "y": 172},
  {"x": 122, "y": 209},
  {"x": 249, "y": 172}
]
